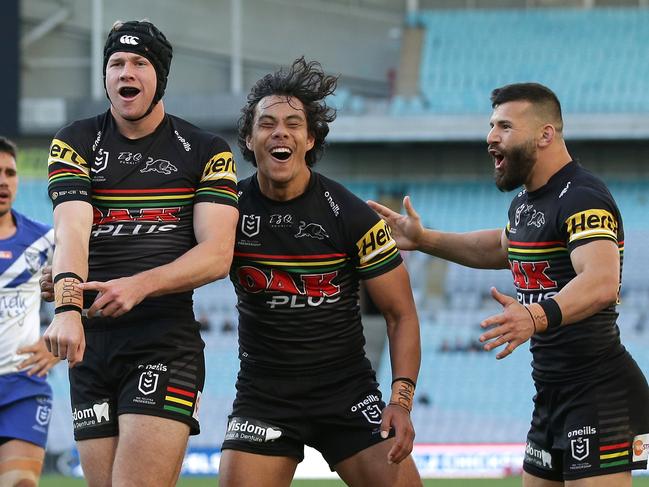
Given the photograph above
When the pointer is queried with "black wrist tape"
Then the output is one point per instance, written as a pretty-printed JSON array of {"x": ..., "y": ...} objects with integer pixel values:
[
  {"x": 552, "y": 311},
  {"x": 62, "y": 275}
]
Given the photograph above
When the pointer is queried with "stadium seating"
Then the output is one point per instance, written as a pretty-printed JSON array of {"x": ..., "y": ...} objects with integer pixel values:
[{"x": 466, "y": 53}]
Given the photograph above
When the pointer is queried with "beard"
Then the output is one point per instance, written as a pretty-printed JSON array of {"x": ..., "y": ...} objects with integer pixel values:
[{"x": 519, "y": 164}]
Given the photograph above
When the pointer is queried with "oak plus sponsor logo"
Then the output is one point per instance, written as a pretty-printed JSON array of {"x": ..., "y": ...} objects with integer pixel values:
[
  {"x": 117, "y": 222},
  {"x": 290, "y": 290},
  {"x": 160, "y": 166},
  {"x": 311, "y": 230},
  {"x": 91, "y": 414},
  {"x": 532, "y": 281},
  {"x": 369, "y": 408},
  {"x": 252, "y": 430},
  {"x": 640, "y": 447},
  {"x": 537, "y": 456}
]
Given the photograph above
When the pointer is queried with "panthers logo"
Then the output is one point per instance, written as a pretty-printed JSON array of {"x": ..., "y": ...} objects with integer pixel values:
[{"x": 160, "y": 166}]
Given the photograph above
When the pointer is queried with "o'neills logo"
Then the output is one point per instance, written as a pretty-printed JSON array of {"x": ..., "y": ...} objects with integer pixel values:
[
  {"x": 585, "y": 431},
  {"x": 591, "y": 222}
]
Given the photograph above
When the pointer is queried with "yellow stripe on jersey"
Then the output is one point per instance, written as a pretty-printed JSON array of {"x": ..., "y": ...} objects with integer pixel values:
[
  {"x": 592, "y": 223},
  {"x": 64, "y": 154},
  {"x": 220, "y": 166},
  {"x": 378, "y": 239}
]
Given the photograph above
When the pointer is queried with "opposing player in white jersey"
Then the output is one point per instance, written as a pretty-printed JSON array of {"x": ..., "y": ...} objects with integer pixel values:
[{"x": 25, "y": 396}]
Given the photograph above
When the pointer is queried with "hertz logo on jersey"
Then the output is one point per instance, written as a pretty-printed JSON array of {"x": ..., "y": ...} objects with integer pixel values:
[
  {"x": 592, "y": 223},
  {"x": 376, "y": 241},
  {"x": 62, "y": 153},
  {"x": 220, "y": 166}
]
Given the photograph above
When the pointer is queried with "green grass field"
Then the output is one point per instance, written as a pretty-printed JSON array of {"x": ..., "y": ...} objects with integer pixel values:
[{"x": 58, "y": 481}]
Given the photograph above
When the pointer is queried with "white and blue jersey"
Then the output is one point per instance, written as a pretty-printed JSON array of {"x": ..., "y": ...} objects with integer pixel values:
[
  {"x": 25, "y": 402},
  {"x": 22, "y": 257}
]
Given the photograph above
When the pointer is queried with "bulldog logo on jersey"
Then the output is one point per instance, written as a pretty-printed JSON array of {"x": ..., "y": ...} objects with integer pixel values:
[
  {"x": 250, "y": 225},
  {"x": 33, "y": 260}
]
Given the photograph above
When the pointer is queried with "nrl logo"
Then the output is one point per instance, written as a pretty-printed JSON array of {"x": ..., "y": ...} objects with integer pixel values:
[
  {"x": 580, "y": 448},
  {"x": 101, "y": 161},
  {"x": 148, "y": 382},
  {"x": 250, "y": 225}
]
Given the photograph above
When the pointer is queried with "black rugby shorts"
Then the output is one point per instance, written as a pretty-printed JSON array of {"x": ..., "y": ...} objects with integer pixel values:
[
  {"x": 590, "y": 428},
  {"x": 155, "y": 368},
  {"x": 338, "y": 414}
]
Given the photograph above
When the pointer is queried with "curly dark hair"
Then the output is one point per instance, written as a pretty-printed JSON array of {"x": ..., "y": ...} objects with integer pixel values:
[{"x": 305, "y": 81}]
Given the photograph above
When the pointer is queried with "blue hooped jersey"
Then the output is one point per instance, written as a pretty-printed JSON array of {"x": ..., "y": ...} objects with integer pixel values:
[{"x": 22, "y": 257}]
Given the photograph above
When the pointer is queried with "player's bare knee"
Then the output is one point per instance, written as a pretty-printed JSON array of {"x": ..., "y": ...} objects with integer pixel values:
[
  {"x": 20, "y": 472},
  {"x": 18, "y": 478}
]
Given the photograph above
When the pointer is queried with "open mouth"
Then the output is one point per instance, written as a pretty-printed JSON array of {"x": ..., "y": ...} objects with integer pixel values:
[
  {"x": 4, "y": 195},
  {"x": 128, "y": 92},
  {"x": 498, "y": 158},
  {"x": 281, "y": 153}
]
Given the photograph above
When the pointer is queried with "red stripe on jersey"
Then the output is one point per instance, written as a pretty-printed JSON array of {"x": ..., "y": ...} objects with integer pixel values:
[
  {"x": 129, "y": 191},
  {"x": 296, "y": 257},
  {"x": 68, "y": 169},
  {"x": 535, "y": 244},
  {"x": 180, "y": 391},
  {"x": 617, "y": 446}
]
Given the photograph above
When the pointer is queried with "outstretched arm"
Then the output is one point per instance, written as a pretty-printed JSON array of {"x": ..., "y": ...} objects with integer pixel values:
[
  {"x": 483, "y": 249},
  {"x": 207, "y": 261},
  {"x": 392, "y": 295}
]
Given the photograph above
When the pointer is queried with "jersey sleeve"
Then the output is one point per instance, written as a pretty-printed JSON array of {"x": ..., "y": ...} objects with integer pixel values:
[
  {"x": 69, "y": 167},
  {"x": 375, "y": 252},
  {"x": 589, "y": 214},
  {"x": 218, "y": 183}
]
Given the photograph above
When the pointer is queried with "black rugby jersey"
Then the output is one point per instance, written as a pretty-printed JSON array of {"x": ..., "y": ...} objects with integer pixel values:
[
  {"x": 142, "y": 192},
  {"x": 572, "y": 209},
  {"x": 296, "y": 272}
]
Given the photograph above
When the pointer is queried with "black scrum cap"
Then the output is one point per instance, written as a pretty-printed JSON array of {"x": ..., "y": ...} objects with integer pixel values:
[{"x": 145, "y": 39}]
